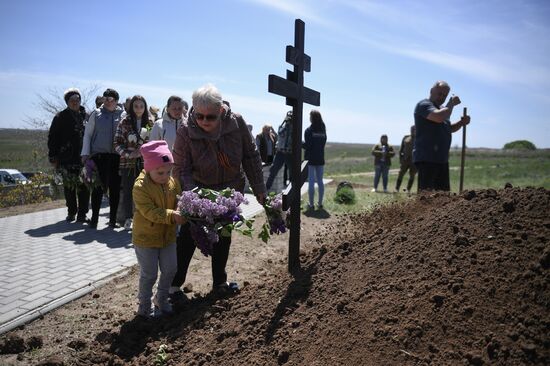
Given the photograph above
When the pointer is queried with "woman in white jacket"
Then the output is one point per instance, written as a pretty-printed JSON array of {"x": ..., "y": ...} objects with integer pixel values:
[{"x": 166, "y": 127}]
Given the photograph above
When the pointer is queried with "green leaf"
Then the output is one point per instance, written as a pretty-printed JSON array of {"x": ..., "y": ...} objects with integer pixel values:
[
  {"x": 264, "y": 234},
  {"x": 225, "y": 232}
]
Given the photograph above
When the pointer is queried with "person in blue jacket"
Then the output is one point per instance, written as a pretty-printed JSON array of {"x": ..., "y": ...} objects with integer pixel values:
[
  {"x": 315, "y": 137},
  {"x": 433, "y": 125}
]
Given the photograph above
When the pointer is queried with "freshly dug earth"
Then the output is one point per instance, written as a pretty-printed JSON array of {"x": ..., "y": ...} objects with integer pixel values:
[{"x": 437, "y": 280}]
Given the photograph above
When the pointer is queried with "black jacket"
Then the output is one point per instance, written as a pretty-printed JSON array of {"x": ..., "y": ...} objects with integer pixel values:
[
  {"x": 314, "y": 146},
  {"x": 65, "y": 137}
]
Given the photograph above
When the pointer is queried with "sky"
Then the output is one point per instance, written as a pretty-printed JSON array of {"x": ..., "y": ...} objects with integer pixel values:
[{"x": 372, "y": 61}]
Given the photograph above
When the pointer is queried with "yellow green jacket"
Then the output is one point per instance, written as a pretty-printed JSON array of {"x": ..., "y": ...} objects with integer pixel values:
[{"x": 155, "y": 204}]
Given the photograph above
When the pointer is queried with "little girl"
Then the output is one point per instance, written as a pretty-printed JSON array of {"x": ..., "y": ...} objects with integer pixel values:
[{"x": 155, "y": 221}]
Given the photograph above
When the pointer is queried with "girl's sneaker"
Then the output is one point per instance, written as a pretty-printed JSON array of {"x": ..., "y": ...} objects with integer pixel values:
[
  {"x": 177, "y": 298},
  {"x": 162, "y": 307},
  {"x": 144, "y": 310}
]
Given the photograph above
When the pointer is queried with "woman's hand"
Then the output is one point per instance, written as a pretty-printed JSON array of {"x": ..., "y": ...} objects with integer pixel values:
[{"x": 261, "y": 198}]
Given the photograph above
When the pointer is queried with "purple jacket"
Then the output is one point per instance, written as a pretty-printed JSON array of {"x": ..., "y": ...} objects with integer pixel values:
[{"x": 217, "y": 162}]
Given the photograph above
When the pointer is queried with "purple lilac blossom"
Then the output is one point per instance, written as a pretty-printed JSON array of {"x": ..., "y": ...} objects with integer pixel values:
[{"x": 204, "y": 214}]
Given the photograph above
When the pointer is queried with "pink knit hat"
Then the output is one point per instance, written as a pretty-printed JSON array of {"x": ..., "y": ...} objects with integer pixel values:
[{"x": 155, "y": 154}]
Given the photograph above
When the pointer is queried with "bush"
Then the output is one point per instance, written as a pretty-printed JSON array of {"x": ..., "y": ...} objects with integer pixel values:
[
  {"x": 345, "y": 194},
  {"x": 35, "y": 191},
  {"x": 520, "y": 145}
]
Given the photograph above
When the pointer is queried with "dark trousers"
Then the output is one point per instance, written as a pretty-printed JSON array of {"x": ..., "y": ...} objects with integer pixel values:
[
  {"x": 128, "y": 177},
  {"x": 185, "y": 249},
  {"x": 433, "y": 177},
  {"x": 406, "y": 165},
  {"x": 278, "y": 162},
  {"x": 76, "y": 199},
  {"x": 108, "y": 169}
]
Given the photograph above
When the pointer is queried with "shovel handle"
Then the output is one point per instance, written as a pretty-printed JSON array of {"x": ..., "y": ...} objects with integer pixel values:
[{"x": 463, "y": 155}]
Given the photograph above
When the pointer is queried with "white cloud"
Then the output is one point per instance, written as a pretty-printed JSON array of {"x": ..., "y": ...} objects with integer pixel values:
[{"x": 500, "y": 59}]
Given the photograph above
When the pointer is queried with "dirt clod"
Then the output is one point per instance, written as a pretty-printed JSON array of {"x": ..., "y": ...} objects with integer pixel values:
[{"x": 12, "y": 344}]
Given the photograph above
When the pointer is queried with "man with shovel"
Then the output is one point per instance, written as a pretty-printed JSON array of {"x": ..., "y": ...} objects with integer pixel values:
[{"x": 433, "y": 137}]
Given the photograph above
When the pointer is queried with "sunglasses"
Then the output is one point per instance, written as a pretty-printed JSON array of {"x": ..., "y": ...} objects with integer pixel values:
[
  {"x": 74, "y": 97},
  {"x": 109, "y": 99},
  {"x": 208, "y": 117}
]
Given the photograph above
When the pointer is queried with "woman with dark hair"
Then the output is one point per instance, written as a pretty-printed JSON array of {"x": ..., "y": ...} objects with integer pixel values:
[
  {"x": 166, "y": 127},
  {"x": 266, "y": 142},
  {"x": 127, "y": 144},
  {"x": 315, "y": 138},
  {"x": 64, "y": 145}
]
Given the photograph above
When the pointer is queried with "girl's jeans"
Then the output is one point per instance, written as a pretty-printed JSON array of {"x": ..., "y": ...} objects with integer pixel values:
[
  {"x": 315, "y": 174},
  {"x": 150, "y": 260}
]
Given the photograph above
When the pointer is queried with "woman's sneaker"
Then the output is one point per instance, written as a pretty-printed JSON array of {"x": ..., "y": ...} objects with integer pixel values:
[{"x": 225, "y": 289}]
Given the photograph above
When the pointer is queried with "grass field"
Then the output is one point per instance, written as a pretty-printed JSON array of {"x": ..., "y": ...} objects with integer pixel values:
[
  {"x": 26, "y": 150},
  {"x": 484, "y": 168}
]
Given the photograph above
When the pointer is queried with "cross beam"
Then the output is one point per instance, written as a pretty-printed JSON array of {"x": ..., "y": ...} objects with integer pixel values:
[{"x": 292, "y": 88}]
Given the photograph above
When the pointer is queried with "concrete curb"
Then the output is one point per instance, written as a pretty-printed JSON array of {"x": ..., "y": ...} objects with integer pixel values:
[{"x": 54, "y": 304}]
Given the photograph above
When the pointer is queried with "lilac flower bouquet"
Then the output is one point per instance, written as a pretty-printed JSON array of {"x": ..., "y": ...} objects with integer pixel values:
[
  {"x": 89, "y": 175},
  {"x": 66, "y": 177},
  {"x": 276, "y": 217},
  {"x": 212, "y": 214}
]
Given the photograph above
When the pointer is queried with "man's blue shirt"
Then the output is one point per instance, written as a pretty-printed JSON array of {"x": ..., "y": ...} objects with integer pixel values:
[{"x": 433, "y": 140}]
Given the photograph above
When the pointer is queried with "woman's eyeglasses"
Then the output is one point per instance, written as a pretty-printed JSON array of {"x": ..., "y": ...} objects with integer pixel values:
[{"x": 208, "y": 117}]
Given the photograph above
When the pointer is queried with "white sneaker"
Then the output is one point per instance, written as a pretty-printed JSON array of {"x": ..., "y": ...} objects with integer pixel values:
[
  {"x": 128, "y": 224},
  {"x": 374, "y": 190}
]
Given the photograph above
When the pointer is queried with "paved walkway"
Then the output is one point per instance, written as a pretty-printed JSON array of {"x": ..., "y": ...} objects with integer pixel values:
[{"x": 46, "y": 262}]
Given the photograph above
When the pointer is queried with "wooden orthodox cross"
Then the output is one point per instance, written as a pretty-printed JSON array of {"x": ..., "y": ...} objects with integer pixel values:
[{"x": 296, "y": 95}]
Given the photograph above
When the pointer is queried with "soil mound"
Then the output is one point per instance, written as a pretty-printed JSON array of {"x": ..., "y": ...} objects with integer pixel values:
[{"x": 438, "y": 280}]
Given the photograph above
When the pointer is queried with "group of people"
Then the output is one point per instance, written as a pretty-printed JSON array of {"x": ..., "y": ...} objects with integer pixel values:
[
  {"x": 426, "y": 149},
  {"x": 276, "y": 152},
  {"x": 208, "y": 146}
]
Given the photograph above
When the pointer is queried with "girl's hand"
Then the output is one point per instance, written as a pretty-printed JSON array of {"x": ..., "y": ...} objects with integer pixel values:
[{"x": 179, "y": 219}]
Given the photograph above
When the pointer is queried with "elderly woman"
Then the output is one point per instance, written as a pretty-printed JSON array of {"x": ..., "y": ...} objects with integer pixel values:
[{"x": 211, "y": 151}]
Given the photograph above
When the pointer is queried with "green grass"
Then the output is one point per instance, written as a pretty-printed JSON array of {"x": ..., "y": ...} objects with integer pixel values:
[
  {"x": 24, "y": 150},
  {"x": 365, "y": 201},
  {"x": 495, "y": 168},
  {"x": 484, "y": 168}
]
